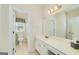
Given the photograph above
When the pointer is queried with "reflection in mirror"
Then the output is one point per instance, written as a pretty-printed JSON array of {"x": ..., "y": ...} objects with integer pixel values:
[
  {"x": 49, "y": 26},
  {"x": 62, "y": 24},
  {"x": 72, "y": 23}
]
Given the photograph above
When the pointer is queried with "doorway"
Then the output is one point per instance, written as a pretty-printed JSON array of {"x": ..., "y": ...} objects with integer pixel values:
[
  {"x": 20, "y": 33},
  {"x": 24, "y": 18}
]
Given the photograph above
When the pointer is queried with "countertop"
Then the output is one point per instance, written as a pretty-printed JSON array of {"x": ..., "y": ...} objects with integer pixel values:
[{"x": 61, "y": 44}]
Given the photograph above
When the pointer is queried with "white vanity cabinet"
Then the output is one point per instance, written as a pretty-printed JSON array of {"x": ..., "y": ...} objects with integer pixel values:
[
  {"x": 45, "y": 49},
  {"x": 55, "y": 46},
  {"x": 53, "y": 50},
  {"x": 41, "y": 48}
]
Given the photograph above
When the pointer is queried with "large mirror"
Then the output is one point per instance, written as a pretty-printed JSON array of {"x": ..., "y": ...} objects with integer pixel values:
[
  {"x": 73, "y": 23},
  {"x": 63, "y": 24}
]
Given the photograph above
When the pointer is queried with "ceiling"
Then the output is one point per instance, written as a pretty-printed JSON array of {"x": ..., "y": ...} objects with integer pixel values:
[
  {"x": 65, "y": 7},
  {"x": 68, "y": 7}
]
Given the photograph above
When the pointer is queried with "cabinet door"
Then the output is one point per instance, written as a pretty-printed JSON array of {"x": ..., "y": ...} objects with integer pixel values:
[
  {"x": 41, "y": 48},
  {"x": 37, "y": 45}
]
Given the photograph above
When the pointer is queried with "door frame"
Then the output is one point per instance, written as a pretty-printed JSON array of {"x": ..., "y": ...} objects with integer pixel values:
[
  {"x": 11, "y": 30},
  {"x": 17, "y": 9}
]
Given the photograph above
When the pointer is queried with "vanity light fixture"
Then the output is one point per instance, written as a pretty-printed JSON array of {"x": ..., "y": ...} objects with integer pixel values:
[{"x": 54, "y": 9}]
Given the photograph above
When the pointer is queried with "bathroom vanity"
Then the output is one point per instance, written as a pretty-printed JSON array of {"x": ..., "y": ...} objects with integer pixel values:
[{"x": 54, "y": 46}]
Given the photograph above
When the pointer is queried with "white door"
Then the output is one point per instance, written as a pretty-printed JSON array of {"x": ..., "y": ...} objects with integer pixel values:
[{"x": 12, "y": 18}]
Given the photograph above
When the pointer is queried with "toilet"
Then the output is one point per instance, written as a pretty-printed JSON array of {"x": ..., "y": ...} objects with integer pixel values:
[{"x": 20, "y": 38}]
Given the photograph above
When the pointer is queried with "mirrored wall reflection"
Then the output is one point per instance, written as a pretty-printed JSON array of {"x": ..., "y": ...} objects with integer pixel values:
[
  {"x": 73, "y": 24},
  {"x": 66, "y": 23},
  {"x": 48, "y": 26}
]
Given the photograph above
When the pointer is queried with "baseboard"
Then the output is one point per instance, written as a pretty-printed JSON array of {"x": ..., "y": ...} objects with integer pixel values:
[{"x": 3, "y": 53}]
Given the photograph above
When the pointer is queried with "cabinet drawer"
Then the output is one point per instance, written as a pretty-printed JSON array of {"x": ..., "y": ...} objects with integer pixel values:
[{"x": 54, "y": 50}]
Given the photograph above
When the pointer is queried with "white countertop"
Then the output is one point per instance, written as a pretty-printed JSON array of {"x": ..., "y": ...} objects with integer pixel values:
[{"x": 61, "y": 44}]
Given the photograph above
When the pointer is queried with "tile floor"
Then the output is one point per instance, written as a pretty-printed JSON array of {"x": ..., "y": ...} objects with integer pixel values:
[{"x": 22, "y": 50}]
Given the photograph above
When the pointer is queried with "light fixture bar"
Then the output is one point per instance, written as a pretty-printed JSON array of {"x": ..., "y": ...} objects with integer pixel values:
[{"x": 55, "y": 8}]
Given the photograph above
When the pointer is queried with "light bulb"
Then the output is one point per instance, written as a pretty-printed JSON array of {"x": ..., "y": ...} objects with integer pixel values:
[
  {"x": 48, "y": 11},
  {"x": 51, "y": 10},
  {"x": 55, "y": 7}
]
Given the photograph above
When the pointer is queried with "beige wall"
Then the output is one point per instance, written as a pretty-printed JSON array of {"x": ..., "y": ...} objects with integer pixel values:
[
  {"x": 4, "y": 42},
  {"x": 21, "y": 15},
  {"x": 0, "y": 28}
]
